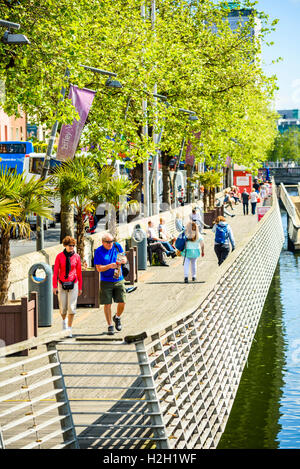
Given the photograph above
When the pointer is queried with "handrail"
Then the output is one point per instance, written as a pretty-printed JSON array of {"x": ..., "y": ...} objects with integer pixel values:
[
  {"x": 289, "y": 204},
  {"x": 32, "y": 343},
  {"x": 214, "y": 278}
]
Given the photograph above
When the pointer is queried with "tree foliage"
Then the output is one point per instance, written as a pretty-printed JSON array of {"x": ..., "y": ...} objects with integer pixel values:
[
  {"x": 286, "y": 146},
  {"x": 190, "y": 53}
]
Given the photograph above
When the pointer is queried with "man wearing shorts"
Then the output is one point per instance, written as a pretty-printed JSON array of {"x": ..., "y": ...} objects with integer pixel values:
[{"x": 111, "y": 288}]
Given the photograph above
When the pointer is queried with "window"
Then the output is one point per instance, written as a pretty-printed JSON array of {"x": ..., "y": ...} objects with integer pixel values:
[
  {"x": 36, "y": 165},
  {"x": 13, "y": 148}
]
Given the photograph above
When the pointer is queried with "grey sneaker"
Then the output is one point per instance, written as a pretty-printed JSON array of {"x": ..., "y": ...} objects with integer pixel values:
[
  {"x": 111, "y": 330},
  {"x": 117, "y": 322}
]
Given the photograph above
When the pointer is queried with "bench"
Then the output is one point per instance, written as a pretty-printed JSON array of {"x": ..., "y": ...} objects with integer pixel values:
[{"x": 171, "y": 229}]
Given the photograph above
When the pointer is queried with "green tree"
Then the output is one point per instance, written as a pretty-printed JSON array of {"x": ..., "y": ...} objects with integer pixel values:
[{"x": 286, "y": 146}]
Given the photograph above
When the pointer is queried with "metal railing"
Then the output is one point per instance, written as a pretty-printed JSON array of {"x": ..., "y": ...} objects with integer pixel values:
[
  {"x": 195, "y": 364},
  {"x": 288, "y": 204},
  {"x": 34, "y": 405}
]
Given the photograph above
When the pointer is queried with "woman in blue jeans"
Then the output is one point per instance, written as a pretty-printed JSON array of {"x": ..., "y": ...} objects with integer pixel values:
[
  {"x": 253, "y": 200},
  {"x": 223, "y": 239}
]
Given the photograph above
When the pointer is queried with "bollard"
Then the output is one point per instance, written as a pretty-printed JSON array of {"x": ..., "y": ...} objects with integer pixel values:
[
  {"x": 43, "y": 286},
  {"x": 139, "y": 239}
]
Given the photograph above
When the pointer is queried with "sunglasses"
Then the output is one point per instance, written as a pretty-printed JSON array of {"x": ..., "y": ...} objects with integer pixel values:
[
  {"x": 109, "y": 242},
  {"x": 71, "y": 245}
]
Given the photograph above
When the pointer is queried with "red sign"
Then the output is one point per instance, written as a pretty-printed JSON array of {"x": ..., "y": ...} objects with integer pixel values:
[
  {"x": 261, "y": 211},
  {"x": 242, "y": 180}
]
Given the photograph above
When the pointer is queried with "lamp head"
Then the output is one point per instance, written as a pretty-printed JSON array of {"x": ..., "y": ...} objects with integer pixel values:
[
  {"x": 10, "y": 38},
  {"x": 113, "y": 83}
]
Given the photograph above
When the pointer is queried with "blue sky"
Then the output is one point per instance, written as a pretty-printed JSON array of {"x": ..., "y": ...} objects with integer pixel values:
[{"x": 286, "y": 45}]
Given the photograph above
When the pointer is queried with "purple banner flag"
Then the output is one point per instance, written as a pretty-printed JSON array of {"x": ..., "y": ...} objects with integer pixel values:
[
  {"x": 69, "y": 137},
  {"x": 189, "y": 157}
]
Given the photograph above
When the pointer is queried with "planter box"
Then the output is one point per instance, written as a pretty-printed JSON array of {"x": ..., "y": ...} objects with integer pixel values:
[
  {"x": 220, "y": 211},
  {"x": 209, "y": 217},
  {"x": 90, "y": 290},
  {"x": 19, "y": 320},
  {"x": 132, "y": 257}
]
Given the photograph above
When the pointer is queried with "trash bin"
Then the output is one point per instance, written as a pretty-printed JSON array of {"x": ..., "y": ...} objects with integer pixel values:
[
  {"x": 139, "y": 239},
  {"x": 43, "y": 286}
]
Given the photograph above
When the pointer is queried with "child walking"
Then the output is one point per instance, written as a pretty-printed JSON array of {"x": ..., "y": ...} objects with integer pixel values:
[{"x": 193, "y": 247}]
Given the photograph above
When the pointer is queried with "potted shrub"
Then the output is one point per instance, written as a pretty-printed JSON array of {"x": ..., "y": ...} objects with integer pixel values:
[
  {"x": 18, "y": 199},
  {"x": 209, "y": 180}
]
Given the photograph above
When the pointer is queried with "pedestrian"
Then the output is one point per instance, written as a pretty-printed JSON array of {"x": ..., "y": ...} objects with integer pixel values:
[
  {"x": 152, "y": 236},
  {"x": 223, "y": 239},
  {"x": 159, "y": 249},
  {"x": 179, "y": 223},
  {"x": 235, "y": 195},
  {"x": 256, "y": 185},
  {"x": 163, "y": 233},
  {"x": 245, "y": 199},
  {"x": 263, "y": 193},
  {"x": 92, "y": 223},
  {"x": 196, "y": 217},
  {"x": 108, "y": 261},
  {"x": 253, "y": 200},
  {"x": 193, "y": 247},
  {"x": 67, "y": 282},
  {"x": 227, "y": 200}
]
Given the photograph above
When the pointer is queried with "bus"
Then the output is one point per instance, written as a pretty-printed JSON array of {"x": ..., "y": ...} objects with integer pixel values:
[
  {"x": 20, "y": 157},
  {"x": 13, "y": 155}
]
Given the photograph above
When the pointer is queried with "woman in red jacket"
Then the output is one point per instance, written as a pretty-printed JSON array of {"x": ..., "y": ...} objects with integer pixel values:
[{"x": 67, "y": 281}]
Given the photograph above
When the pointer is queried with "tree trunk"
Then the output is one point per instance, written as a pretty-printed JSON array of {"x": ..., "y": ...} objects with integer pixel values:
[
  {"x": 4, "y": 266},
  {"x": 166, "y": 197},
  {"x": 66, "y": 219},
  {"x": 189, "y": 171},
  {"x": 137, "y": 176},
  {"x": 165, "y": 163},
  {"x": 205, "y": 200},
  {"x": 80, "y": 234}
]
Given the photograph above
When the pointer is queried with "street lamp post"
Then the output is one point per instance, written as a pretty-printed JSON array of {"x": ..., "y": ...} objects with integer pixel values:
[{"x": 192, "y": 118}]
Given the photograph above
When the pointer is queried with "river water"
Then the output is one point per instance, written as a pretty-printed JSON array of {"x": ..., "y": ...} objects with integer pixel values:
[{"x": 266, "y": 411}]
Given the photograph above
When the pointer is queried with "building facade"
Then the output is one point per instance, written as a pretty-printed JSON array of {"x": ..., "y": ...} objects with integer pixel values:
[
  {"x": 12, "y": 128},
  {"x": 290, "y": 118}
]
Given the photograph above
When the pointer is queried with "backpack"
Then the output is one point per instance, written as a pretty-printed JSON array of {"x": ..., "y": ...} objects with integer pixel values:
[
  {"x": 221, "y": 234},
  {"x": 180, "y": 242}
]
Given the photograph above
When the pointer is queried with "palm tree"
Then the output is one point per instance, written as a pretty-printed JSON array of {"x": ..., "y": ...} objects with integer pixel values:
[
  {"x": 209, "y": 180},
  {"x": 118, "y": 190},
  {"x": 20, "y": 198},
  {"x": 8, "y": 208},
  {"x": 76, "y": 180}
]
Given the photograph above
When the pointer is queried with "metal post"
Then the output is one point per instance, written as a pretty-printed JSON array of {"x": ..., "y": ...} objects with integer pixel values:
[
  {"x": 40, "y": 244},
  {"x": 2, "y": 446},
  {"x": 155, "y": 166},
  {"x": 145, "y": 133},
  {"x": 159, "y": 429},
  {"x": 67, "y": 425},
  {"x": 176, "y": 171}
]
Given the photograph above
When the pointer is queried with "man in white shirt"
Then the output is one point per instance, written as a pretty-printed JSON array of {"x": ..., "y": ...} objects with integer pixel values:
[{"x": 152, "y": 236}]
